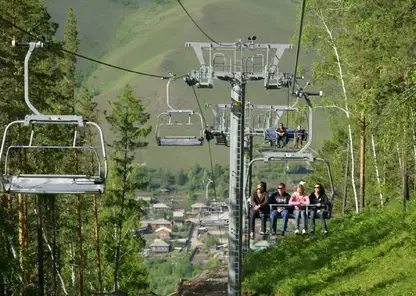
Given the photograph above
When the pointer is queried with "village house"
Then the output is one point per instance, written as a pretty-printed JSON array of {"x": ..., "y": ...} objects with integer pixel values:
[
  {"x": 155, "y": 224},
  {"x": 161, "y": 207},
  {"x": 163, "y": 232},
  {"x": 199, "y": 207},
  {"x": 179, "y": 217},
  {"x": 159, "y": 246}
]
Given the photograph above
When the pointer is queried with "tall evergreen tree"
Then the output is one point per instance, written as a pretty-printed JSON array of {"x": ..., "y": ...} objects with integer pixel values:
[
  {"x": 128, "y": 121},
  {"x": 32, "y": 16}
]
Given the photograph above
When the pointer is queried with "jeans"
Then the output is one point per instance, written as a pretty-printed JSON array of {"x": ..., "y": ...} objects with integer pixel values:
[
  {"x": 322, "y": 215},
  {"x": 273, "y": 219},
  {"x": 256, "y": 214},
  {"x": 300, "y": 214},
  {"x": 282, "y": 138}
]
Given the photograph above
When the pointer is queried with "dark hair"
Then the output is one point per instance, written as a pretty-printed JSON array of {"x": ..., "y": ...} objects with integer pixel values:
[
  {"x": 321, "y": 187},
  {"x": 281, "y": 185},
  {"x": 264, "y": 185}
]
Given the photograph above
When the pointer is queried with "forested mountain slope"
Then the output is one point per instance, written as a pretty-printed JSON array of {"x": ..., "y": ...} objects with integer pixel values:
[{"x": 149, "y": 36}]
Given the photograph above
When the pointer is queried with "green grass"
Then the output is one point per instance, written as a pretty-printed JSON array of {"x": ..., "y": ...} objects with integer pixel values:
[
  {"x": 368, "y": 254},
  {"x": 151, "y": 39}
]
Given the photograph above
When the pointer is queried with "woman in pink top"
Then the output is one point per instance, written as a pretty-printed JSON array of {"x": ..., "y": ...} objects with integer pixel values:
[{"x": 300, "y": 200}]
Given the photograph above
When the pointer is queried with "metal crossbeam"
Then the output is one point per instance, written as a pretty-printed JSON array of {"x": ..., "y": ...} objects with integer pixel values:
[
  {"x": 278, "y": 155},
  {"x": 54, "y": 119},
  {"x": 272, "y": 107}
]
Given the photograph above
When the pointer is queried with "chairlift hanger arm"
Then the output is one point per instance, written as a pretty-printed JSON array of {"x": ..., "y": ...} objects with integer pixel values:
[{"x": 32, "y": 46}]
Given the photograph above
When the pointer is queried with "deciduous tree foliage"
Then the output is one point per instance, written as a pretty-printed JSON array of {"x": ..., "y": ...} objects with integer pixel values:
[{"x": 376, "y": 49}]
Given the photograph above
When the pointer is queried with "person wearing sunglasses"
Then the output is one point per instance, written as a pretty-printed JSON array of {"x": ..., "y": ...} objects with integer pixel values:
[
  {"x": 319, "y": 207},
  {"x": 280, "y": 197},
  {"x": 259, "y": 207}
]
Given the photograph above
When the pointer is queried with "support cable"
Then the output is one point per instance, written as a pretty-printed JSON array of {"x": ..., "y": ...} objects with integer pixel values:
[
  {"x": 195, "y": 23},
  {"x": 42, "y": 39},
  {"x": 302, "y": 15}
]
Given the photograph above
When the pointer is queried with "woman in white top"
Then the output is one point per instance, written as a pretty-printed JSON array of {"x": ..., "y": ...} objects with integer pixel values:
[{"x": 300, "y": 200}]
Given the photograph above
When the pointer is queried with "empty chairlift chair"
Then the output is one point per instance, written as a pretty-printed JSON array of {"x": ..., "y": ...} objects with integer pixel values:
[
  {"x": 164, "y": 120},
  {"x": 174, "y": 119},
  {"x": 18, "y": 177},
  {"x": 14, "y": 181}
]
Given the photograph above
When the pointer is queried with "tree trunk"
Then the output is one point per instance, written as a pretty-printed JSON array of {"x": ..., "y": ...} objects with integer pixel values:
[
  {"x": 80, "y": 250},
  {"x": 362, "y": 160},
  {"x": 97, "y": 242},
  {"x": 344, "y": 196},
  {"x": 346, "y": 107},
  {"x": 373, "y": 145},
  {"x": 40, "y": 245},
  {"x": 414, "y": 155},
  {"x": 22, "y": 239}
]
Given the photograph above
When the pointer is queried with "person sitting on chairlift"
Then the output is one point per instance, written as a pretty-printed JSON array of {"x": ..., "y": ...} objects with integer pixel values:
[
  {"x": 259, "y": 207},
  {"x": 298, "y": 138},
  {"x": 300, "y": 200},
  {"x": 319, "y": 207},
  {"x": 281, "y": 135},
  {"x": 279, "y": 197}
]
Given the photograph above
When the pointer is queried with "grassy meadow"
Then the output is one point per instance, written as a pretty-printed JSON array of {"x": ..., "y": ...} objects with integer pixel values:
[{"x": 366, "y": 254}]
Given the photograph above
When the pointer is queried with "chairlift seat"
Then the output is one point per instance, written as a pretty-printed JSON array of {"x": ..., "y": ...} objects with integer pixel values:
[
  {"x": 271, "y": 135},
  {"x": 179, "y": 141},
  {"x": 53, "y": 184}
]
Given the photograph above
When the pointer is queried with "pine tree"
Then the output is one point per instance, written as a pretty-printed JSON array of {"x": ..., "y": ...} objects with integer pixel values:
[
  {"x": 32, "y": 16},
  {"x": 128, "y": 121}
]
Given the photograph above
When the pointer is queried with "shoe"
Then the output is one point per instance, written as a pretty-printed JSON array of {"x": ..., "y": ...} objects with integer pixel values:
[
  {"x": 262, "y": 233},
  {"x": 282, "y": 233},
  {"x": 296, "y": 231},
  {"x": 304, "y": 231},
  {"x": 312, "y": 232},
  {"x": 251, "y": 235},
  {"x": 325, "y": 232}
]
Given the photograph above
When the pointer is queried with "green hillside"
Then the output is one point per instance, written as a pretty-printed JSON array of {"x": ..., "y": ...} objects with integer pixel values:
[
  {"x": 150, "y": 38},
  {"x": 367, "y": 254}
]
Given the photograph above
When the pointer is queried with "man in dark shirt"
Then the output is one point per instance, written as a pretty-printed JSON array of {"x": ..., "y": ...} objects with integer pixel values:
[{"x": 281, "y": 199}]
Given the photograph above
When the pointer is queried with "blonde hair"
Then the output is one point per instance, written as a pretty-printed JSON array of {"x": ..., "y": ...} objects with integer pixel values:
[{"x": 301, "y": 187}]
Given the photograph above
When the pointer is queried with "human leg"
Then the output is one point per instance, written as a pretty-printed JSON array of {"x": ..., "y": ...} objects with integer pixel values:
[
  {"x": 312, "y": 220},
  {"x": 253, "y": 216},
  {"x": 297, "y": 217},
  {"x": 263, "y": 218},
  {"x": 304, "y": 223},
  {"x": 285, "y": 217},
  {"x": 273, "y": 220},
  {"x": 322, "y": 216}
]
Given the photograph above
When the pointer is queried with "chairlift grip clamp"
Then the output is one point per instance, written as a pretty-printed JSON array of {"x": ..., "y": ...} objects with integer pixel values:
[{"x": 27, "y": 44}]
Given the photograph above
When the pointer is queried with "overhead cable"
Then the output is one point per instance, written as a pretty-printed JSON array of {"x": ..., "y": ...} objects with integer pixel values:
[
  {"x": 196, "y": 24},
  {"x": 83, "y": 56}
]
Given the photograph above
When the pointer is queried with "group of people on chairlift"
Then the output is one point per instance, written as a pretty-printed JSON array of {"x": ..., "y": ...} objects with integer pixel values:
[{"x": 280, "y": 204}]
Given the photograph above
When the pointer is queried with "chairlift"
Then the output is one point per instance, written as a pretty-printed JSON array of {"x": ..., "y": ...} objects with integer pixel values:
[
  {"x": 300, "y": 156},
  {"x": 14, "y": 181},
  {"x": 164, "y": 120}
]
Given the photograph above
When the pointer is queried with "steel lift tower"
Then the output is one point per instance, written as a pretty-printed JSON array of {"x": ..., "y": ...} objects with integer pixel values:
[{"x": 238, "y": 63}]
